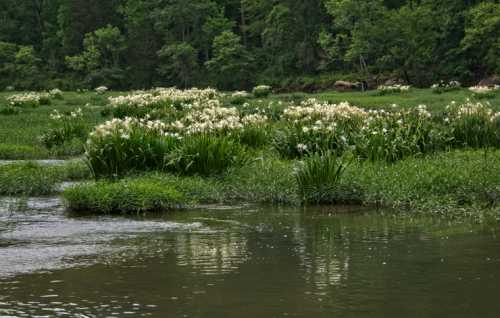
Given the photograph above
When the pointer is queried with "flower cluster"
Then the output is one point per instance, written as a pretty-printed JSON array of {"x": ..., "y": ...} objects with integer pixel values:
[
  {"x": 484, "y": 90},
  {"x": 468, "y": 109},
  {"x": 261, "y": 91},
  {"x": 314, "y": 115},
  {"x": 101, "y": 89},
  {"x": 57, "y": 116},
  {"x": 123, "y": 128},
  {"x": 385, "y": 89},
  {"x": 241, "y": 94},
  {"x": 215, "y": 119},
  {"x": 55, "y": 93},
  {"x": 167, "y": 97},
  {"x": 443, "y": 87},
  {"x": 31, "y": 99}
]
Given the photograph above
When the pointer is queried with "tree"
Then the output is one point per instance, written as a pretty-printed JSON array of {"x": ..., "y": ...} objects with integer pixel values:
[
  {"x": 482, "y": 41},
  {"x": 100, "y": 62},
  {"x": 231, "y": 65},
  {"x": 179, "y": 63}
]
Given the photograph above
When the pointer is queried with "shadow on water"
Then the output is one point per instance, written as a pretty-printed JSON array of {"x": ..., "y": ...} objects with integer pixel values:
[{"x": 244, "y": 261}]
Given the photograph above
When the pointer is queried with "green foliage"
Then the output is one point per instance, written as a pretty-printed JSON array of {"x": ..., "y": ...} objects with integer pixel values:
[
  {"x": 100, "y": 62},
  {"x": 230, "y": 61},
  {"x": 265, "y": 180},
  {"x": 140, "y": 44},
  {"x": 481, "y": 35},
  {"x": 443, "y": 183},
  {"x": 206, "y": 155},
  {"x": 317, "y": 177},
  {"x": 178, "y": 63},
  {"x": 26, "y": 179}
]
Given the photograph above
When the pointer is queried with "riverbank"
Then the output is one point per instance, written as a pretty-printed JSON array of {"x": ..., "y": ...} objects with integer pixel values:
[
  {"x": 453, "y": 184},
  {"x": 168, "y": 149}
]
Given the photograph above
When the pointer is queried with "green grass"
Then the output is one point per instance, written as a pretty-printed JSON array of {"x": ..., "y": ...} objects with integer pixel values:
[
  {"x": 444, "y": 183},
  {"x": 151, "y": 193},
  {"x": 413, "y": 98},
  {"x": 24, "y": 130},
  {"x": 30, "y": 178}
]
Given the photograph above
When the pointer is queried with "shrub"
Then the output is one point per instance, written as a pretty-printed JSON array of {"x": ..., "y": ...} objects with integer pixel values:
[
  {"x": 124, "y": 196},
  {"x": 318, "y": 176},
  {"x": 261, "y": 91}
]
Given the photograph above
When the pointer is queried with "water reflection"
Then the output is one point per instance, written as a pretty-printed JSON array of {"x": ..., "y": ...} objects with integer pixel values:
[
  {"x": 246, "y": 263},
  {"x": 211, "y": 254}
]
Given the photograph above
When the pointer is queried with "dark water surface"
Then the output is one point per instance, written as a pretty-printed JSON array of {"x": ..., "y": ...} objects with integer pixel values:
[{"x": 244, "y": 262}]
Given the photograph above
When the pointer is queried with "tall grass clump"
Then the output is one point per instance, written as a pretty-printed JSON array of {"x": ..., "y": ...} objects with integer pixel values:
[
  {"x": 205, "y": 155},
  {"x": 264, "y": 180},
  {"x": 318, "y": 177}
]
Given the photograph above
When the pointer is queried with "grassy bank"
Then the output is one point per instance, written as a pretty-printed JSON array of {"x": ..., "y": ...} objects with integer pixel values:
[
  {"x": 165, "y": 149},
  {"x": 33, "y": 179},
  {"x": 448, "y": 184}
]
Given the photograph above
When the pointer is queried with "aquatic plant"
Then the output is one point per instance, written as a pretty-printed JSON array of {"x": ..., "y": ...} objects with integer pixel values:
[{"x": 317, "y": 177}]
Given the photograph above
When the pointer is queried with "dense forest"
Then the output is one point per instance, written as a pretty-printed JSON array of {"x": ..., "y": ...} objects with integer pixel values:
[{"x": 233, "y": 44}]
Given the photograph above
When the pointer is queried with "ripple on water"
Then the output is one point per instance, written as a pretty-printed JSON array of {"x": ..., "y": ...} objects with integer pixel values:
[{"x": 41, "y": 237}]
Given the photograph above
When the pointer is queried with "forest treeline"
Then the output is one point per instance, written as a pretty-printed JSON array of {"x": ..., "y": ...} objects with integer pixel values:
[{"x": 233, "y": 44}]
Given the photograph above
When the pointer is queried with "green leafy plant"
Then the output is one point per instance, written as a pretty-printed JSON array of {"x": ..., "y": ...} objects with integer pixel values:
[
  {"x": 206, "y": 155},
  {"x": 318, "y": 176}
]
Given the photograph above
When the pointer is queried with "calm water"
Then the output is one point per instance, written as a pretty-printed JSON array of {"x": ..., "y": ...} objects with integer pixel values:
[{"x": 243, "y": 262}]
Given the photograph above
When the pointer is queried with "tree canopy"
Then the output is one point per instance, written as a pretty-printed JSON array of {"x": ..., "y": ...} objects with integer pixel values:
[{"x": 234, "y": 44}]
